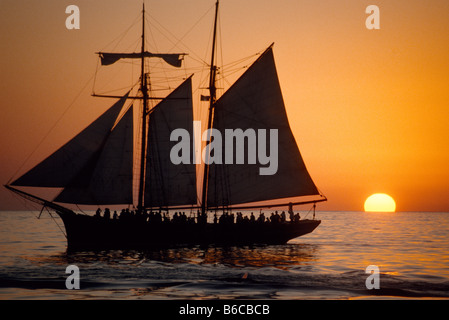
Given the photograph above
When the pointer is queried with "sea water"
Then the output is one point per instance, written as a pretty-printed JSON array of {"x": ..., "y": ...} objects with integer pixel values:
[{"x": 410, "y": 250}]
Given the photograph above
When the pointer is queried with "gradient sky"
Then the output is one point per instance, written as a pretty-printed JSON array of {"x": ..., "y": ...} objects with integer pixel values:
[{"x": 369, "y": 108}]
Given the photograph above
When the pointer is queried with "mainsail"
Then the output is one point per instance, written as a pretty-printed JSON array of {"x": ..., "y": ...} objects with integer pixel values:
[
  {"x": 255, "y": 102},
  {"x": 107, "y": 179},
  {"x": 61, "y": 167},
  {"x": 169, "y": 184}
]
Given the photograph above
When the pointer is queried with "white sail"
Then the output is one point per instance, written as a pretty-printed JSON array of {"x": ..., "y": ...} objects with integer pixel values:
[
  {"x": 168, "y": 184},
  {"x": 61, "y": 167},
  {"x": 107, "y": 179},
  {"x": 255, "y": 102}
]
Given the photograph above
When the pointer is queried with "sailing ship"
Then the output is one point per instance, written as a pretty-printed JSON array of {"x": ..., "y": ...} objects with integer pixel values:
[{"x": 96, "y": 167}]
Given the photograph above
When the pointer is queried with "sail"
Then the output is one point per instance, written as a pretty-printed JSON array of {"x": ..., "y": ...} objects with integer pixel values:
[
  {"x": 61, "y": 167},
  {"x": 173, "y": 59},
  {"x": 107, "y": 178},
  {"x": 166, "y": 183},
  {"x": 255, "y": 102}
]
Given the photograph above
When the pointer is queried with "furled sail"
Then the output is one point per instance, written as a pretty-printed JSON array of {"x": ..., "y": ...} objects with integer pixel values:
[
  {"x": 255, "y": 102},
  {"x": 174, "y": 59},
  {"x": 166, "y": 183},
  {"x": 107, "y": 178},
  {"x": 61, "y": 167}
]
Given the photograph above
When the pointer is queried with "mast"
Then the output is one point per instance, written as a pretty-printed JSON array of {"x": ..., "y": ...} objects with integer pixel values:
[
  {"x": 212, "y": 91},
  {"x": 144, "y": 90}
]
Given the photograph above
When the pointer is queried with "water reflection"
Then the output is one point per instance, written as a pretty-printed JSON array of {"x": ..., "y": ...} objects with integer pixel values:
[{"x": 277, "y": 256}]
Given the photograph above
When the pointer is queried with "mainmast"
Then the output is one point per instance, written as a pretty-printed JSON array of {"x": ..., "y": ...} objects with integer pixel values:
[
  {"x": 144, "y": 90},
  {"x": 212, "y": 91}
]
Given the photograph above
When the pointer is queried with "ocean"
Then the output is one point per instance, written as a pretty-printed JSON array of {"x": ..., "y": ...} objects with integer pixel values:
[{"x": 408, "y": 253}]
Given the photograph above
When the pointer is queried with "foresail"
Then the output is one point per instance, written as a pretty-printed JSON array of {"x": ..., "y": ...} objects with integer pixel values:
[
  {"x": 255, "y": 102},
  {"x": 108, "y": 178},
  {"x": 61, "y": 167},
  {"x": 166, "y": 183}
]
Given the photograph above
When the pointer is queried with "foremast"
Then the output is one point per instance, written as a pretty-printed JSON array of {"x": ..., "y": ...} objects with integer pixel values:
[
  {"x": 213, "y": 96},
  {"x": 144, "y": 90}
]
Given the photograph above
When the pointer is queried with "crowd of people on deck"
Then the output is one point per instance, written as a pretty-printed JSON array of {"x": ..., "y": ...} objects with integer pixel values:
[{"x": 160, "y": 216}]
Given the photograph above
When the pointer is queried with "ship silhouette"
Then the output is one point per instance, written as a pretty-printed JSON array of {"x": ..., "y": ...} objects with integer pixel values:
[{"x": 96, "y": 167}]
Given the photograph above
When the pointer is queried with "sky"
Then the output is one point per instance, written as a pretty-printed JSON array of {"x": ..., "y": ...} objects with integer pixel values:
[{"x": 368, "y": 108}]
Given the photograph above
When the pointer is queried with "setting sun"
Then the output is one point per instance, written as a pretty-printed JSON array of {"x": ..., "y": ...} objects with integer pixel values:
[{"x": 380, "y": 202}]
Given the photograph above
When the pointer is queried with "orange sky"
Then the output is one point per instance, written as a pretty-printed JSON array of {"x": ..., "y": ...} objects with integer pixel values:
[{"x": 369, "y": 108}]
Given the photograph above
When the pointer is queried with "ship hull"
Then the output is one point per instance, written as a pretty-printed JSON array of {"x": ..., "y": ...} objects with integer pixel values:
[{"x": 90, "y": 233}]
